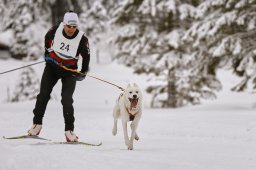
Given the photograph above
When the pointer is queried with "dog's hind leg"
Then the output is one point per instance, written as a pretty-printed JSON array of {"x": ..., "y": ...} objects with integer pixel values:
[
  {"x": 114, "y": 130},
  {"x": 116, "y": 114}
]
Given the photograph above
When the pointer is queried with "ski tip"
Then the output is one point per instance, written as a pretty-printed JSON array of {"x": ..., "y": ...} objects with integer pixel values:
[
  {"x": 27, "y": 137},
  {"x": 4, "y": 137}
]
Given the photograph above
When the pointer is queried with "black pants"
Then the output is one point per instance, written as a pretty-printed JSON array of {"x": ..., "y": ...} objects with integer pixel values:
[{"x": 51, "y": 75}]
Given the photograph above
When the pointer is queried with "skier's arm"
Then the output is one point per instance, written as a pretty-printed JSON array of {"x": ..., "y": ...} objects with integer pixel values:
[
  {"x": 49, "y": 36},
  {"x": 85, "y": 53}
]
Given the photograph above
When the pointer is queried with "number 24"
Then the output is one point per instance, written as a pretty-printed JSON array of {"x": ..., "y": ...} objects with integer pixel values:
[{"x": 64, "y": 47}]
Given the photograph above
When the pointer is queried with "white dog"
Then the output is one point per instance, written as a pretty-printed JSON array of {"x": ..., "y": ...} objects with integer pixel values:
[{"x": 129, "y": 108}]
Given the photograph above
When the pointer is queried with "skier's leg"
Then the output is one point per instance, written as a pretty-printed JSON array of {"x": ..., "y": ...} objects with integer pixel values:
[
  {"x": 49, "y": 79},
  {"x": 68, "y": 88}
]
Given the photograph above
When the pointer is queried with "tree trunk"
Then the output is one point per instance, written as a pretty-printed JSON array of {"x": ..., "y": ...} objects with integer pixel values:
[
  {"x": 60, "y": 7},
  {"x": 171, "y": 89}
]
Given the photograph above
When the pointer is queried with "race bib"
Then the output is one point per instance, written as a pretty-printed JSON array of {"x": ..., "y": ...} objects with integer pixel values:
[{"x": 66, "y": 48}]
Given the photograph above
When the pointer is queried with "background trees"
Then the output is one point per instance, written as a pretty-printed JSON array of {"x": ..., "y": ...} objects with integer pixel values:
[
  {"x": 179, "y": 44},
  {"x": 224, "y": 32},
  {"x": 151, "y": 42}
]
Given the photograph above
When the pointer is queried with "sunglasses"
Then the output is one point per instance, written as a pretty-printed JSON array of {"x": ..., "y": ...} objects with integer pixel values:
[{"x": 71, "y": 26}]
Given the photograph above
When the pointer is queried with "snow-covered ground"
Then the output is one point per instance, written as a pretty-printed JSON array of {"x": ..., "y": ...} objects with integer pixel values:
[{"x": 217, "y": 135}]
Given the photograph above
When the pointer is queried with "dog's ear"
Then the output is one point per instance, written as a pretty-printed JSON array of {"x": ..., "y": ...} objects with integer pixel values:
[
  {"x": 135, "y": 85},
  {"x": 129, "y": 85}
]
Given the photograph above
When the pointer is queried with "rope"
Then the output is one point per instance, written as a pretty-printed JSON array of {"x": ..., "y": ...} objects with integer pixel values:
[
  {"x": 121, "y": 88},
  {"x": 75, "y": 71},
  {"x": 68, "y": 69},
  {"x": 21, "y": 67}
]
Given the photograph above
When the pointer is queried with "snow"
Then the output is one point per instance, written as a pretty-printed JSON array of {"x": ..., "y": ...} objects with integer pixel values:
[
  {"x": 216, "y": 135},
  {"x": 6, "y": 37},
  {"x": 173, "y": 38},
  {"x": 186, "y": 11}
]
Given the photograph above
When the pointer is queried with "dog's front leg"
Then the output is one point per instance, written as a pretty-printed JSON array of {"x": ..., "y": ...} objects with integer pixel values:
[
  {"x": 136, "y": 135},
  {"x": 126, "y": 138},
  {"x": 134, "y": 126}
]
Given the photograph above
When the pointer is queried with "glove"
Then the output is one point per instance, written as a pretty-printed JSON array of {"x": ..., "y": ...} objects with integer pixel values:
[{"x": 80, "y": 77}]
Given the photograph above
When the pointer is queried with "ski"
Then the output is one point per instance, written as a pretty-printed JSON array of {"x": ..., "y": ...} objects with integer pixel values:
[
  {"x": 78, "y": 143},
  {"x": 26, "y": 137},
  {"x": 51, "y": 142}
]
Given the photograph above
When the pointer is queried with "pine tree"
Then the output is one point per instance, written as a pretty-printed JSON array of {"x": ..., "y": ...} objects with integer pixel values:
[
  {"x": 150, "y": 41},
  {"x": 60, "y": 7},
  {"x": 27, "y": 19},
  {"x": 27, "y": 87},
  {"x": 223, "y": 34},
  {"x": 96, "y": 23},
  {"x": 94, "y": 19}
]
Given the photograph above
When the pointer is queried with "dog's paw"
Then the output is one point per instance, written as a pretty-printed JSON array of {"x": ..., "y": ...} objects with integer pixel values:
[
  {"x": 130, "y": 147},
  {"x": 136, "y": 137},
  {"x": 114, "y": 131}
]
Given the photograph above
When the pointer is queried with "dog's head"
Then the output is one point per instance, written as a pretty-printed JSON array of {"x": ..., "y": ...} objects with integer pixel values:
[{"x": 132, "y": 96}]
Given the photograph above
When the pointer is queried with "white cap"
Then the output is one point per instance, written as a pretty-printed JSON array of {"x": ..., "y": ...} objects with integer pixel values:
[{"x": 70, "y": 18}]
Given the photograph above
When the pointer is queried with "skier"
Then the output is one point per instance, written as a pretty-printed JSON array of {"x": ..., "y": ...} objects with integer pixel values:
[{"x": 63, "y": 45}]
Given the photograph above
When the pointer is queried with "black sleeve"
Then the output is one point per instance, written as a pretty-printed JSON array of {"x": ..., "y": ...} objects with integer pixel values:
[
  {"x": 49, "y": 36},
  {"x": 85, "y": 53}
]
